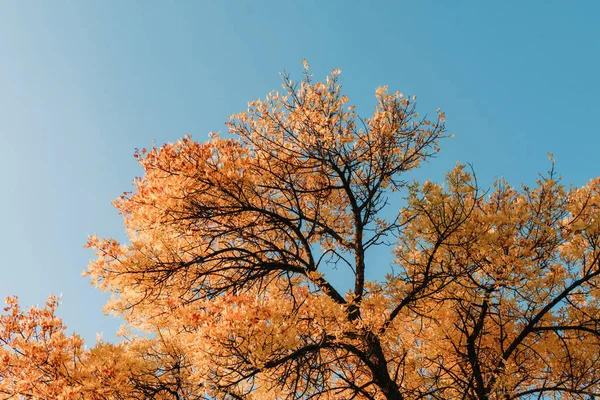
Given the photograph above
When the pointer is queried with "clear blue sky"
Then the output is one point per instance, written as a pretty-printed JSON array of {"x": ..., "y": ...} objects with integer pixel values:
[{"x": 83, "y": 83}]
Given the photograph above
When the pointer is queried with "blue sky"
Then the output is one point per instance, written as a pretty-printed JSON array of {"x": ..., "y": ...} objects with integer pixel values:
[{"x": 83, "y": 83}]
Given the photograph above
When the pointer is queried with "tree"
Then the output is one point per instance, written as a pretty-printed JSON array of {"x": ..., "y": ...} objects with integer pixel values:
[{"x": 492, "y": 295}]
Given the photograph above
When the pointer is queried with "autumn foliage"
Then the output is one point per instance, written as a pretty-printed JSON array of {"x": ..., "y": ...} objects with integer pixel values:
[{"x": 492, "y": 294}]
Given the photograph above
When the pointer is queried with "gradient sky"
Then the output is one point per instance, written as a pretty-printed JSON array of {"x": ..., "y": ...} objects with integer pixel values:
[{"x": 83, "y": 83}]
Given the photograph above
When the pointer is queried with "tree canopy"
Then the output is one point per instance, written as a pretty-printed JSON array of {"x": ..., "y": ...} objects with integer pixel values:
[{"x": 492, "y": 294}]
